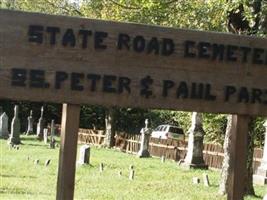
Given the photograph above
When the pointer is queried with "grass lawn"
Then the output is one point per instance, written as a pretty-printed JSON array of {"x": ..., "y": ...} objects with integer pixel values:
[{"x": 20, "y": 178}]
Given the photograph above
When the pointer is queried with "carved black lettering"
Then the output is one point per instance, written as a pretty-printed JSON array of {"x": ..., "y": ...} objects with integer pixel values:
[
  {"x": 153, "y": 46},
  {"x": 217, "y": 52},
  {"x": 75, "y": 83},
  {"x": 208, "y": 95},
  {"x": 108, "y": 81},
  {"x": 18, "y": 77},
  {"x": 35, "y": 33},
  {"x": 167, "y": 84},
  {"x": 230, "y": 53},
  {"x": 229, "y": 91},
  {"x": 99, "y": 39},
  {"x": 37, "y": 78},
  {"x": 197, "y": 91},
  {"x": 146, "y": 84},
  {"x": 256, "y": 95},
  {"x": 124, "y": 84},
  {"x": 167, "y": 47},
  {"x": 123, "y": 41},
  {"x": 182, "y": 90},
  {"x": 139, "y": 44},
  {"x": 69, "y": 38},
  {"x": 188, "y": 49},
  {"x": 245, "y": 51},
  {"x": 94, "y": 78},
  {"x": 257, "y": 56},
  {"x": 53, "y": 32},
  {"x": 84, "y": 34},
  {"x": 60, "y": 77},
  {"x": 243, "y": 95},
  {"x": 203, "y": 50}
]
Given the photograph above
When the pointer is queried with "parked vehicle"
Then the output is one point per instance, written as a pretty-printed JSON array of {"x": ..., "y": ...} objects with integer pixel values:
[{"x": 168, "y": 131}]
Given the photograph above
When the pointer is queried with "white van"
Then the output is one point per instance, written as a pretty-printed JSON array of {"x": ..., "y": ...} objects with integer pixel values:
[{"x": 168, "y": 131}]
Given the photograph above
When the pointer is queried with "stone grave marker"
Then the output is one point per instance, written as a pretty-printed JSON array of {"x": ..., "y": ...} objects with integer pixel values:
[
  {"x": 131, "y": 175},
  {"x": 206, "y": 180},
  {"x": 120, "y": 173},
  {"x": 40, "y": 125},
  {"x": 15, "y": 128},
  {"x": 194, "y": 155},
  {"x": 4, "y": 126},
  {"x": 196, "y": 180},
  {"x": 146, "y": 132},
  {"x": 84, "y": 155},
  {"x": 30, "y": 124},
  {"x": 52, "y": 143},
  {"x": 36, "y": 162},
  {"x": 52, "y": 128},
  {"x": 101, "y": 167},
  {"x": 163, "y": 159},
  {"x": 45, "y": 135},
  {"x": 265, "y": 197},
  {"x": 47, "y": 162}
]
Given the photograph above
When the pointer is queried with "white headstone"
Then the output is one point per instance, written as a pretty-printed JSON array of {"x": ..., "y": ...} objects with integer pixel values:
[
  {"x": 265, "y": 197},
  {"x": 4, "y": 126},
  {"x": 15, "y": 127},
  {"x": 30, "y": 124},
  {"x": 40, "y": 125},
  {"x": 84, "y": 155},
  {"x": 45, "y": 135}
]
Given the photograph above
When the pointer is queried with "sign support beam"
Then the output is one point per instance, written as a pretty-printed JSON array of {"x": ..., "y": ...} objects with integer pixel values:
[
  {"x": 238, "y": 157},
  {"x": 68, "y": 151}
]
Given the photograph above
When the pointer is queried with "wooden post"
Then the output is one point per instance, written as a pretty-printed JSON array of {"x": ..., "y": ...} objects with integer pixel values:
[
  {"x": 68, "y": 150},
  {"x": 238, "y": 157}
]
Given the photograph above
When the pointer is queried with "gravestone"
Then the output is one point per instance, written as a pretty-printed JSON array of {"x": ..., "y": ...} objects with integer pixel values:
[
  {"x": 40, "y": 125},
  {"x": 45, "y": 135},
  {"x": 52, "y": 128},
  {"x": 260, "y": 178},
  {"x": 265, "y": 197},
  {"x": 30, "y": 124},
  {"x": 4, "y": 126},
  {"x": 131, "y": 175},
  {"x": 15, "y": 128},
  {"x": 206, "y": 180},
  {"x": 109, "y": 140},
  {"x": 194, "y": 155},
  {"x": 52, "y": 143},
  {"x": 196, "y": 180},
  {"x": 162, "y": 159},
  {"x": 47, "y": 162},
  {"x": 101, "y": 167},
  {"x": 145, "y": 135},
  {"x": 84, "y": 155}
]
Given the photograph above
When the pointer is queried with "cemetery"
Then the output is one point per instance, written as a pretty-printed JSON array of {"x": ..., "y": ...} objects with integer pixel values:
[{"x": 80, "y": 98}]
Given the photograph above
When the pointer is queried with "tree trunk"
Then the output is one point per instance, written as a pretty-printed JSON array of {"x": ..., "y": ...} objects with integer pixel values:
[
  {"x": 226, "y": 161},
  {"x": 110, "y": 130}
]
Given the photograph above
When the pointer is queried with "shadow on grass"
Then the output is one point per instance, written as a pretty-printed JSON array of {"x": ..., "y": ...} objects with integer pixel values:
[
  {"x": 255, "y": 196},
  {"x": 14, "y": 176},
  {"x": 21, "y": 191}
]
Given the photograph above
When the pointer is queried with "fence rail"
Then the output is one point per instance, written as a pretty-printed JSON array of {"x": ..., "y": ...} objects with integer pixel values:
[{"x": 170, "y": 148}]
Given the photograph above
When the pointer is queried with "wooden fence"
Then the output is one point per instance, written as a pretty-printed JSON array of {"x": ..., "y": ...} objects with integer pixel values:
[{"x": 170, "y": 148}]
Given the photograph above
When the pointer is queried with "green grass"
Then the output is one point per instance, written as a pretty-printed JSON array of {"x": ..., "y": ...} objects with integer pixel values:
[{"x": 20, "y": 178}]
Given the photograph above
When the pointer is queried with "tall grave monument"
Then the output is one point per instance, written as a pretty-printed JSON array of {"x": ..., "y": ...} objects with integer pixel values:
[
  {"x": 40, "y": 125},
  {"x": 260, "y": 178},
  {"x": 4, "y": 126},
  {"x": 194, "y": 156},
  {"x": 15, "y": 128},
  {"x": 145, "y": 135},
  {"x": 30, "y": 124}
]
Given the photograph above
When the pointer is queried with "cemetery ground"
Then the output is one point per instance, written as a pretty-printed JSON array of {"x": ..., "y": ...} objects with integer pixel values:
[{"x": 21, "y": 178}]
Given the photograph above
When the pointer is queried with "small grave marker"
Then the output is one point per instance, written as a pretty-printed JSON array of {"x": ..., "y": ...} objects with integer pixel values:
[
  {"x": 47, "y": 162},
  {"x": 84, "y": 155},
  {"x": 163, "y": 159},
  {"x": 101, "y": 167},
  {"x": 45, "y": 135},
  {"x": 131, "y": 175},
  {"x": 206, "y": 180},
  {"x": 36, "y": 162},
  {"x": 196, "y": 180}
]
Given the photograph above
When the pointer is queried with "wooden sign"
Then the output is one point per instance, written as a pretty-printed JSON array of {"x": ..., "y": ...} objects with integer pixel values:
[{"x": 83, "y": 61}]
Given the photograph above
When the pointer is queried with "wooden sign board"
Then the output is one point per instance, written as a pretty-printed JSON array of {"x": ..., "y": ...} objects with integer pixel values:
[{"x": 84, "y": 61}]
